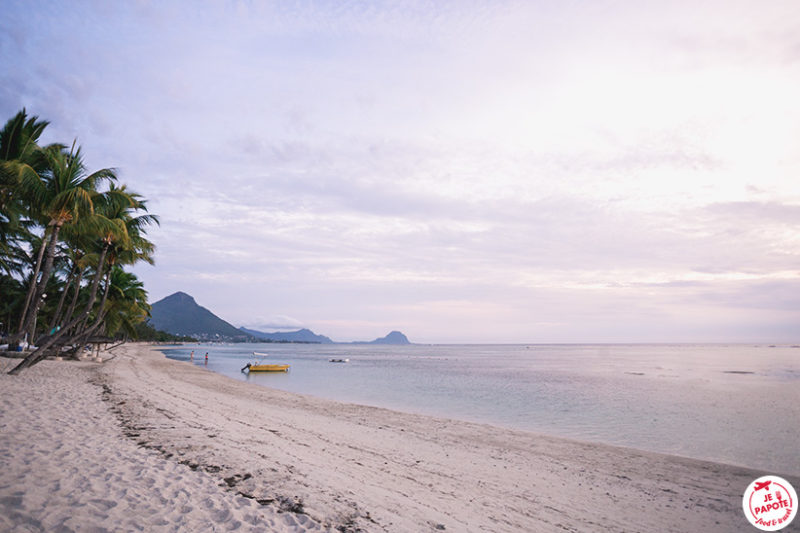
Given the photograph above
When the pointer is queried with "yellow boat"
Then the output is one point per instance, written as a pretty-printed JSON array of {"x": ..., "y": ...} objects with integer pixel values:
[{"x": 265, "y": 368}]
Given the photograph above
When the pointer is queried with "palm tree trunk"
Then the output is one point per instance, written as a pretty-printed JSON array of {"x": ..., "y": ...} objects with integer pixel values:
[
  {"x": 84, "y": 336},
  {"x": 46, "y": 271},
  {"x": 102, "y": 307},
  {"x": 74, "y": 303},
  {"x": 39, "y": 354},
  {"x": 95, "y": 284},
  {"x": 100, "y": 314},
  {"x": 72, "y": 273},
  {"x": 87, "y": 334},
  {"x": 31, "y": 289}
]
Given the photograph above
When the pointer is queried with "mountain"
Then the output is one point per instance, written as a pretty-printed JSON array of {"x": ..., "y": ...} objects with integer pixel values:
[
  {"x": 303, "y": 335},
  {"x": 395, "y": 337},
  {"x": 306, "y": 335},
  {"x": 179, "y": 314}
]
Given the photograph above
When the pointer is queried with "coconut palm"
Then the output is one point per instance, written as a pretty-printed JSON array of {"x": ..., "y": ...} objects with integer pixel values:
[
  {"x": 120, "y": 234},
  {"x": 59, "y": 195},
  {"x": 11, "y": 302},
  {"x": 134, "y": 247},
  {"x": 72, "y": 259},
  {"x": 57, "y": 229},
  {"x": 126, "y": 243},
  {"x": 84, "y": 247},
  {"x": 20, "y": 155},
  {"x": 126, "y": 305}
]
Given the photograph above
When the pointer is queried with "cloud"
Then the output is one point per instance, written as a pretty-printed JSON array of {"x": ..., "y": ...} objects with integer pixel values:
[
  {"x": 269, "y": 324},
  {"x": 758, "y": 212},
  {"x": 499, "y": 170}
]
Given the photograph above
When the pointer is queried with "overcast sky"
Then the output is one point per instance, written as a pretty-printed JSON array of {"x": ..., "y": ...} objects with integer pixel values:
[{"x": 466, "y": 171}]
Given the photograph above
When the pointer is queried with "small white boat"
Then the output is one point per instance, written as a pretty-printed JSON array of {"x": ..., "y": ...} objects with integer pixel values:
[
  {"x": 260, "y": 354},
  {"x": 340, "y": 360}
]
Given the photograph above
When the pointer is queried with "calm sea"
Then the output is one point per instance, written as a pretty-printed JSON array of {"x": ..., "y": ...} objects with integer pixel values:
[{"x": 737, "y": 404}]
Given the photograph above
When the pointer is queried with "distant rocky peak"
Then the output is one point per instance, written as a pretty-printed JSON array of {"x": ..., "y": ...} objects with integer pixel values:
[
  {"x": 395, "y": 337},
  {"x": 180, "y": 297}
]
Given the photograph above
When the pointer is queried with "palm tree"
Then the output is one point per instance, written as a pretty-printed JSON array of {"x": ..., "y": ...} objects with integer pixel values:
[
  {"x": 72, "y": 259},
  {"x": 20, "y": 158},
  {"x": 55, "y": 220},
  {"x": 120, "y": 236},
  {"x": 124, "y": 243},
  {"x": 134, "y": 247},
  {"x": 20, "y": 155},
  {"x": 61, "y": 194},
  {"x": 126, "y": 305},
  {"x": 84, "y": 247},
  {"x": 12, "y": 291}
]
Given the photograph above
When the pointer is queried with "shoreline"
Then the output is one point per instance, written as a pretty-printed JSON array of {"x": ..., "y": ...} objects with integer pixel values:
[
  {"x": 642, "y": 398},
  {"x": 298, "y": 463}
]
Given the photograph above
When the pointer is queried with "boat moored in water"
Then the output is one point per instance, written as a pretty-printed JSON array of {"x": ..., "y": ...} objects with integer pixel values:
[
  {"x": 260, "y": 366},
  {"x": 264, "y": 368}
]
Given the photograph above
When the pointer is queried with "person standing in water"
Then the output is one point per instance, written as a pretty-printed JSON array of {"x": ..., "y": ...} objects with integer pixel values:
[
  {"x": 206, "y": 357},
  {"x": 191, "y": 356}
]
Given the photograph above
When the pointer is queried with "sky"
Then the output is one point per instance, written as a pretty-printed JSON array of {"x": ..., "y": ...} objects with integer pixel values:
[{"x": 462, "y": 171}]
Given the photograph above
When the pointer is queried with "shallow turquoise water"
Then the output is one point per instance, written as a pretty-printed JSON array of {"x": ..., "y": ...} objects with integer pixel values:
[{"x": 731, "y": 403}]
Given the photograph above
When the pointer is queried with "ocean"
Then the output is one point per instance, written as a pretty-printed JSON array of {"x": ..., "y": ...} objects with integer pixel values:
[{"x": 737, "y": 404}]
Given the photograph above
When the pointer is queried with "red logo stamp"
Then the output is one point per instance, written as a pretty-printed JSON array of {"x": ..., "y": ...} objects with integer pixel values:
[{"x": 770, "y": 503}]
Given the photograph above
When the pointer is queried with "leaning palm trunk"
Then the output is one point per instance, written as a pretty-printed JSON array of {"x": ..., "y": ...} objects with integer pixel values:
[
  {"x": 75, "y": 295},
  {"x": 84, "y": 333},
  {"x": 57, "y": 315},
  {"x": 47, "y": 343},
  {"x": 46, "y": 271},
  {"x": 95, "y": 282},
  {"x": 84, "y": 324},
  {"x": 80, "y": 340},
  {"x": 101, "y": 309},
  {"x": 31, "y": 290}
]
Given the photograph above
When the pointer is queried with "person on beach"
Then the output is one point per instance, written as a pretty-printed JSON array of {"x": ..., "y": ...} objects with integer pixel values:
[
  {"x": 206, "y": 357},
  {"x": 191, "y": 356}
]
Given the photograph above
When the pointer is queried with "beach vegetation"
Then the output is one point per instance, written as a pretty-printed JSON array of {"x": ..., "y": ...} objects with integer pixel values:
[
  {"x": 66, "y": 236},
  {"x": 146, "y": 332}
]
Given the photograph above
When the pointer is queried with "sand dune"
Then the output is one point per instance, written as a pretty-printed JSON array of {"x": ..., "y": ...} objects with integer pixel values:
[{"x": 147, "y": 443}]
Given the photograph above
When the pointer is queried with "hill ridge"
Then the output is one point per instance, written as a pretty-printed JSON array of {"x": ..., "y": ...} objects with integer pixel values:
[{"x": 180, "y": 314}]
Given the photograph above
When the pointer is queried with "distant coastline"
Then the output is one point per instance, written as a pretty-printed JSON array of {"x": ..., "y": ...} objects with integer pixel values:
[{"x": 179, "y": 314}]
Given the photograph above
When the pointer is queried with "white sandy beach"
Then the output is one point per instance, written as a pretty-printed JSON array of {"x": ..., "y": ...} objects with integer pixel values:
[{"x": 144, "y": 443}]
